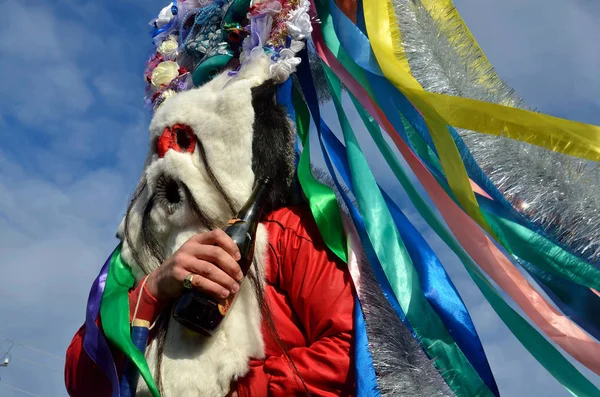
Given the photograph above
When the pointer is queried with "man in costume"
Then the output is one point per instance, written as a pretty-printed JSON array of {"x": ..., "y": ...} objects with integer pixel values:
[
  {"x": 290, "y": 331},
  {"x": 223, "y": 136}
]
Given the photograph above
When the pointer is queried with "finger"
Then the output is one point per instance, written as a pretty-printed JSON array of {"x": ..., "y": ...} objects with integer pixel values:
[
  {"x": 212, "y": 273},
  {"x": 219, "y": 257},
  {"x": 206, "y": 286},
  {"x": 220, "y": 238}
]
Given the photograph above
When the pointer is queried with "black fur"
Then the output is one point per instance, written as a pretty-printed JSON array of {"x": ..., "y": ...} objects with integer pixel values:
[
  {"x": 151, "y": 241},
  {"x": 213, "y": 178},
  {"x": 273, "y": 157},
  {"x": 272, "y": 144}
]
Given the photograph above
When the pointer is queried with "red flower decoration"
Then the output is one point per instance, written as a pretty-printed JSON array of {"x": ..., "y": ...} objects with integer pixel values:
[{"x": 234, "y": 36}]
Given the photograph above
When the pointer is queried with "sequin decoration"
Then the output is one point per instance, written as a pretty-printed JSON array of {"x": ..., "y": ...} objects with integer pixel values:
[{"x": 206, "y": 38}]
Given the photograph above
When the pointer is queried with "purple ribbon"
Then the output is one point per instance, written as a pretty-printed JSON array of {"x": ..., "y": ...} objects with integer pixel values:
[{"x": 94, "y": 342}]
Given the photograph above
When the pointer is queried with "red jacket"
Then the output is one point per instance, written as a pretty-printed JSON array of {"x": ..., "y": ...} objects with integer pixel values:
[{"x": 311, "y": 300}]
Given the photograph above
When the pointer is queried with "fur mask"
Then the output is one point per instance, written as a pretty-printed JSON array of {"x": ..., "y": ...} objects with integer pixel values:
[{"x": 207, "y": 147}]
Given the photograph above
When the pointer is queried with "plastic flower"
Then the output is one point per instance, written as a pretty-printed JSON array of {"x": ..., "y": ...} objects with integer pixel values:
[
  {"x": 164, "y": 16},
  {"x": 268, "y": 7},
  {"x": 168, "y": 94},
  {"x": 164, "y": 73},
  {"x": 168, "y": 48},
  {"x": 286, "y": 65},
  {"x": 298, "y": 24}
]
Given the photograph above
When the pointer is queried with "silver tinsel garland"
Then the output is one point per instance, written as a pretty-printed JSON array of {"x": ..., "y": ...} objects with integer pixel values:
[
  {"x": 558, "y": 193},
  {"x": 401, "y": 366}
]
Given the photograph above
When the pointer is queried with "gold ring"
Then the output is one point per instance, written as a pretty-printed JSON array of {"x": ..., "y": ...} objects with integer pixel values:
[{"x": 188, "y": 281}]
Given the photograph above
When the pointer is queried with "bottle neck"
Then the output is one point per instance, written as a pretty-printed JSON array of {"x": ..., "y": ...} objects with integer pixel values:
[{"x": 256, "y": 201}]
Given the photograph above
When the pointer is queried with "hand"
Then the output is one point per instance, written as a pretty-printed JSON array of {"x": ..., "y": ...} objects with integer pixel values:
[{"x": 211, "y": 256}]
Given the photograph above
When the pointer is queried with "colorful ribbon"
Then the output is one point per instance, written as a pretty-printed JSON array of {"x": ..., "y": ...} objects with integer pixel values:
[
  {"x": 94, "y": 342},
  {"x": 564, "y": 136},
  {"x": 437, "y": 286},
  {"x": 366, "y": 380},
  {"x": 439, "y": 289},
  {"x": 537, "y": 345},
  {"x": 404, "y": 281},
  {"x": 114, "y": 313},
  {"x": 309, "y": 91},
  {"x": 547, "y": 263},
  {"x": 510, "y": 280},
  {"x": 396, "y": 69}
]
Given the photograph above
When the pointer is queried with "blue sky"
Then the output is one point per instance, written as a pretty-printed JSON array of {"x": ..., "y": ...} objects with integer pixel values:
[{"x": 73, "y": 133}]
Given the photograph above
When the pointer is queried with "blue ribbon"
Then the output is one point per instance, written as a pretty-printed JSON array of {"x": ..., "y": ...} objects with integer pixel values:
[
  {"x": 435, "y": 282},
  {"x": 571, "y": 298},
  {"x": 284, "y": 98},
  {"x": 364, "y": 373},
  {"x": 131, "y": 375}
]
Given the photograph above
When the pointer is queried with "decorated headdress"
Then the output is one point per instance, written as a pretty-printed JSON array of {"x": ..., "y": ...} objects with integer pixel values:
[
  {"x": 197, "y": 40},
  {"x": 517, "y": 190}
]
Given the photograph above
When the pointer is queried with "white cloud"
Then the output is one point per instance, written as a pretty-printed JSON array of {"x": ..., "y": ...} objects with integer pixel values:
[
  {"x": 54, "y": 239},
  {"x": 42, "y": 83},
  {"x": 546, "y": 50},
  {"x": 21, "y": 32},
  {"x": 72, "y": 149}
]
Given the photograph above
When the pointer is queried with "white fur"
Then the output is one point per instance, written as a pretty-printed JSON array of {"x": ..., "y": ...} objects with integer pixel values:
[
  {"x": 194, "y": 365},
  {"x": 221, "y": 115}
]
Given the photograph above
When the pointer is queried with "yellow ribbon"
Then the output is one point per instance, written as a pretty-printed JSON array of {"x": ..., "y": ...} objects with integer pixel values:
[
  {"x": 439, "y": 111},
  {"x": 560, "y": 135},
  {"x": 383, "y": 30},
  {"x": 568, "y": 137}
]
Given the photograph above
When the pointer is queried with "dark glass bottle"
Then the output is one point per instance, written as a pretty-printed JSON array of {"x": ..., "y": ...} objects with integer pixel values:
[{"x": 201, "y": 313}]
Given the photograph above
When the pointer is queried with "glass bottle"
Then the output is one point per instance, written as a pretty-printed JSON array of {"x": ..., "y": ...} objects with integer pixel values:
[{"x": 201, "y": 313}]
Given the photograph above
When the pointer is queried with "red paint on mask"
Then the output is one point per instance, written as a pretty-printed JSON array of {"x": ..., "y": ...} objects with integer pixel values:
[{"x": 180, "y": 138}]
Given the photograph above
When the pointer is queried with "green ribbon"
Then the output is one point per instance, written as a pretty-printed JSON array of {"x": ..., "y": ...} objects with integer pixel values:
[
  {"x": 114, "y": 314},
  {"x": 519, "y": 240},
  {"x": 322, "y": 200},
  {"x": 544, "y": 254},
  {"x": 399, "y": 269},
  {"x": 544, "y": 352}
]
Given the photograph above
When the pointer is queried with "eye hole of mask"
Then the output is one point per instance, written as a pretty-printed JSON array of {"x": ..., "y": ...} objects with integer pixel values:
[
  {"x": 180, "y": 138},
  {"x": 185, "y": 138}
]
